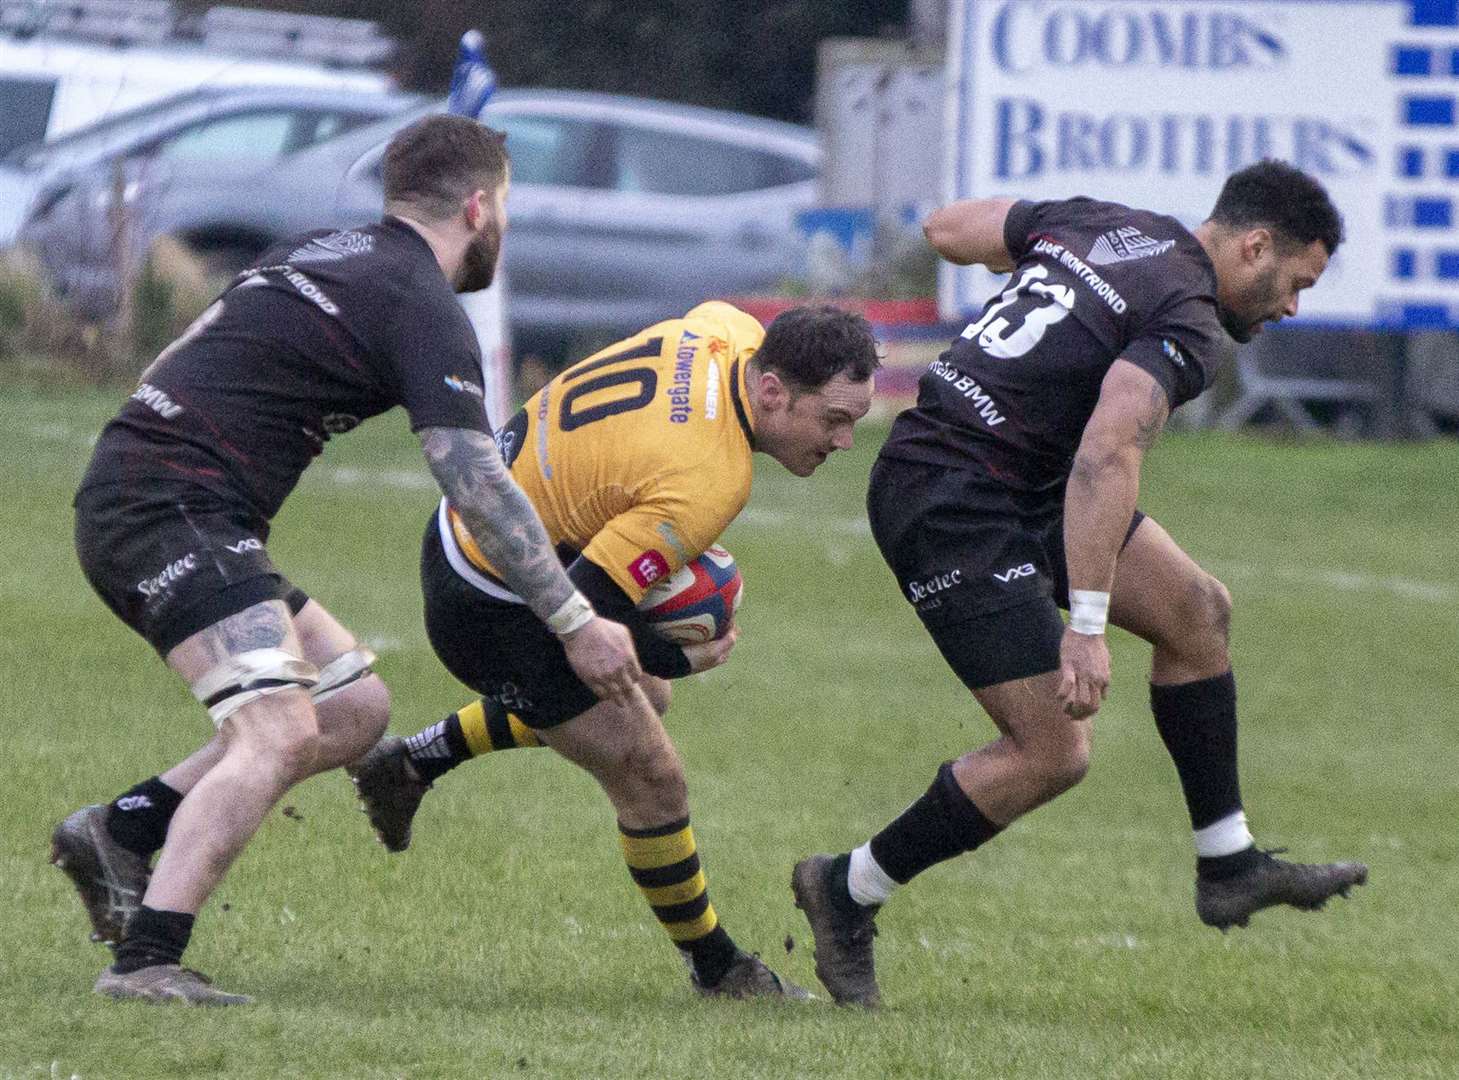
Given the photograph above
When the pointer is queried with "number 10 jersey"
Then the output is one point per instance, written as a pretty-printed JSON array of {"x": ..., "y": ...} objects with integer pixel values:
[
  {"x": 637, "y": 457},
  {"x": 1093, "y": 282}
]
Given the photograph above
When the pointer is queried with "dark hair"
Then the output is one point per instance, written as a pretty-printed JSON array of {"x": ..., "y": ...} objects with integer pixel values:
[
  {"x": 1282, "y": 198},
  {"x": 438, "y": 161},
  {"x": 808, "y": 346}
]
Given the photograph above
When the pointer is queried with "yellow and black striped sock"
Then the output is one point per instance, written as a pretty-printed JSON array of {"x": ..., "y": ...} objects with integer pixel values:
[
  {"x": 477, "y": 729},
  {"x": 665, "y": 865}
]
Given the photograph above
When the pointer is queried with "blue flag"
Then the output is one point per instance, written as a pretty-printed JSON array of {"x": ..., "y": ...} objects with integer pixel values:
[{"x": 472, "y": 80}]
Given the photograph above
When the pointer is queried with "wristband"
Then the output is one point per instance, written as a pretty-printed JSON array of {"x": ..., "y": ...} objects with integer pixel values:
[
  {"x": 575, "y": 613},
  {"x": 1088, "y": 611}
]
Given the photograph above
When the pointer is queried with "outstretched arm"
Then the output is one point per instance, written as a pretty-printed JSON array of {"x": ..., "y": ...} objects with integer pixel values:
[
  {"x": 504, "y": 525},
  {"x": 971, "y": 231},
  {"x": 1098, "y": 505}
]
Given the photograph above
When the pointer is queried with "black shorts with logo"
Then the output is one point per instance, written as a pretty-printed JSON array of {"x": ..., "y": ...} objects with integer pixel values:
[
  {"x": 498, "y": 648},
  {"x": 982, "y": 564},
  {"x": 171, "y": 559}
]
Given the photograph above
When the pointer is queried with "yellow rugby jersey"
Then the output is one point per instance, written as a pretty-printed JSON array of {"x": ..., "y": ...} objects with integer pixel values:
[{"x": 639, "y": 456}]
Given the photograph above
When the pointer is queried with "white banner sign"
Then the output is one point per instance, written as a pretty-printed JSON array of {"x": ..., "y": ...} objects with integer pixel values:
[{"x": 1153, "y": 103}]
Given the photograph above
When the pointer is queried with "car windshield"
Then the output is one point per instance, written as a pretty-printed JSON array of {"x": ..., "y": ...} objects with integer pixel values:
[{"x": 36, "y": 154}]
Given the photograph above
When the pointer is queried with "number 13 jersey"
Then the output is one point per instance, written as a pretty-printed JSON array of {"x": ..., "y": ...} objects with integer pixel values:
[
  {"x": 1093, "y": 282},
  {"x": 637, "y": 457}
]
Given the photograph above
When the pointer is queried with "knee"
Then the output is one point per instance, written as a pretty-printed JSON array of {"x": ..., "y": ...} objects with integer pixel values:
[
  {"x": 1206, "y": 610},
  {"x": 1063, "y": 764},
  {"x": 660, "y": 693},
  {"x": 657, "y": 776},
  {"x": 282, "y": 741},
  {"x": 358, "y": 714}
]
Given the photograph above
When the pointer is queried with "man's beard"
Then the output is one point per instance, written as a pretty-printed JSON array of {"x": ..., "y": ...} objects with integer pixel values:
[
  {"x": 1243, "y": 328},
  {"x": 478, "y": 261},
  {"x": 1239, "y": 329}
]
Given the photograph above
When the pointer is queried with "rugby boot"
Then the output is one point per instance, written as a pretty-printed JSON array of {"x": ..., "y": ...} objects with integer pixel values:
[
  {"x": 844, "y": 961},
  {"x": 164, "y": 983},
  {"x": 749, "y": 977},
  {"x": 1270, "y": 881},
  {"x": 390, "y": 792},
  {"x": 110, "y": 879}
]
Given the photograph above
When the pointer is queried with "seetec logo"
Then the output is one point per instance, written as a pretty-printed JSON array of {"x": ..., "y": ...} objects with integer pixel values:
[{"x": 1026, "y": 570}]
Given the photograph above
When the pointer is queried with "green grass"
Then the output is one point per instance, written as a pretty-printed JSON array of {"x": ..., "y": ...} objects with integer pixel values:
[{"x": 509, "y": 941}]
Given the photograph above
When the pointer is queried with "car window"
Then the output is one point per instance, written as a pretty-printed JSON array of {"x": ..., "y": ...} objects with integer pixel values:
[
  {"x": 319, "y": 127},
  {"x": 666, "y": 163},
  {"x": 548, "y": 149},
  {"x": 259, "y": 136}
]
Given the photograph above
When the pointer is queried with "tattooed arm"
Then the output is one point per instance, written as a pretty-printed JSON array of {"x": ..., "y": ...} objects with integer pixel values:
[
  {"x": 1099, "y": 503},
  {"x": 505, "y": 526},
  {"x": 503, "y": 523}
]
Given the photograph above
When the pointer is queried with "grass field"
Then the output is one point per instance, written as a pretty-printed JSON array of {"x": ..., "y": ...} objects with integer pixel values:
[{"x": 509, "y": 942}]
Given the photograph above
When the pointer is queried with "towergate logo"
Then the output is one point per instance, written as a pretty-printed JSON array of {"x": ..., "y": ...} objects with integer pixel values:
[{"x": 1029, "y": 35}]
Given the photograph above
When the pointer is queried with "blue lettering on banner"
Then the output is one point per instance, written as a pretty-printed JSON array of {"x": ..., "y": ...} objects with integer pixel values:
[
  {"x": 1030, "y": 36},
  {"x": 1032, "y": 139}
]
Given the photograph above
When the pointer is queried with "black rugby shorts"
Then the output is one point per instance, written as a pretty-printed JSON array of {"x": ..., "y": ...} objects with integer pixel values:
[
  {"x": 171, "y": 559},
  {"x": 982, "y": 565},
  {"x": 497, "y": 648}
]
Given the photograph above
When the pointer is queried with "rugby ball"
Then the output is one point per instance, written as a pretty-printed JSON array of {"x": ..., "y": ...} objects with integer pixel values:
[{"x": 697, "y": 602}]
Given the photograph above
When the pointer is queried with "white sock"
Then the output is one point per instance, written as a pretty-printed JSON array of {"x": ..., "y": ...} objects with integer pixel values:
[
  {"x": 1224, "y": 837},
  {"x": 867, "y": 882}
]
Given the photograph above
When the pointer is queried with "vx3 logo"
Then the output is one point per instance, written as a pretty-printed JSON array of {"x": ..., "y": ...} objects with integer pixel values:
[{"x": 1026, "y": 570}]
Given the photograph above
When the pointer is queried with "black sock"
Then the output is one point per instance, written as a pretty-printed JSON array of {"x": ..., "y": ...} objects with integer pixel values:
[
  {"x": 438, "y": 749},
  {"x": 944, "y": 822},
  {"x": 1197, "y": 721},
  {"x": 138, "y": 819},
  {"x": 153, "y": 937},
  {"x": 1221, "y": 867},
  {"x": 712, "y": 956},
  {"x": 837, "y": 883}
]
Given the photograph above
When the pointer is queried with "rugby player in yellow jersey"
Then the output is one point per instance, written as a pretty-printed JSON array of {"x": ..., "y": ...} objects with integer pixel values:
[{"x": 637, "y": 459}]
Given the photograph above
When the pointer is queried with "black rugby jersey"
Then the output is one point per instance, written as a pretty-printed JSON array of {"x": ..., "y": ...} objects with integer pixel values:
[
  {"x": 329, "y": 329},
  {"x": 1093, "y": 282}
]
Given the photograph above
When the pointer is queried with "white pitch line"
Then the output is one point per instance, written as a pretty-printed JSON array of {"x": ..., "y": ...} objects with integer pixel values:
[{"x": 763, "y": 517}]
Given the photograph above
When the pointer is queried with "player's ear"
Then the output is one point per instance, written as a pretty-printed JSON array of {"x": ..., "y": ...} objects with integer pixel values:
[
  {"x": 774, "y": 394},
  {"x": 478, "y": 204},
  {"x": 1255, "y": 244}
]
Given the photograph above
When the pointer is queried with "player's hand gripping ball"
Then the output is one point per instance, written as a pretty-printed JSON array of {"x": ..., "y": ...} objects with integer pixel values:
[{"x": 697, "y": 602}]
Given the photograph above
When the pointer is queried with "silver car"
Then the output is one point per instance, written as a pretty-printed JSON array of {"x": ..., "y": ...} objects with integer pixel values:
[
  {"x": 623, "y": 211},
  {"x": 221, "y": 124}
]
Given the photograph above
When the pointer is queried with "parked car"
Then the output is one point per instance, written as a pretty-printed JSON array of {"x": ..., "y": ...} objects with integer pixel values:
[
  {"x": 226, "y": 127},
  {"x": 623, "y": 210}
]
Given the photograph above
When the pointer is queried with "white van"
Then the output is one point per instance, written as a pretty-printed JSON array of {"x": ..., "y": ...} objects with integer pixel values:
[{"x": 63, "y": 67}]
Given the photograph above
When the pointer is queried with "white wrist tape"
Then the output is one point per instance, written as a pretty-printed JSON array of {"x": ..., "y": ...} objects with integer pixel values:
[
  {"x": 575, "y": 613},
  {"x": 1088, "y": 611}
]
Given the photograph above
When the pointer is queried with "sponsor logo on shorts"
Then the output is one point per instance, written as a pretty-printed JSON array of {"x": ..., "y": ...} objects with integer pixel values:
[
  {"x": 464, "y": 386},
  {"x": 919, "y": 591},
  {"x": 1172, "y": 352},
  {"x": 511, "y": 697},
  {"x": 1015, "y": 572},
  {"x": 170, "y": 574},
  {"x": 133, "y": 802},
  {"x": 248, "y": 543},
  {"x": 648, "y": 567}
]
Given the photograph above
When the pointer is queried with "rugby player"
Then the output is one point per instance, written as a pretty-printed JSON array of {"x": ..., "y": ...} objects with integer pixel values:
[
  {"x": 1009, "y": 490},
  {"x": 637, "y": 458},
  {"x": 173, "y": 515}
]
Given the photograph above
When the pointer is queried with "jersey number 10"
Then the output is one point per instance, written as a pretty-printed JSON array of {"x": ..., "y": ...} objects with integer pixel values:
[{"x": 569, "y": 417}]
